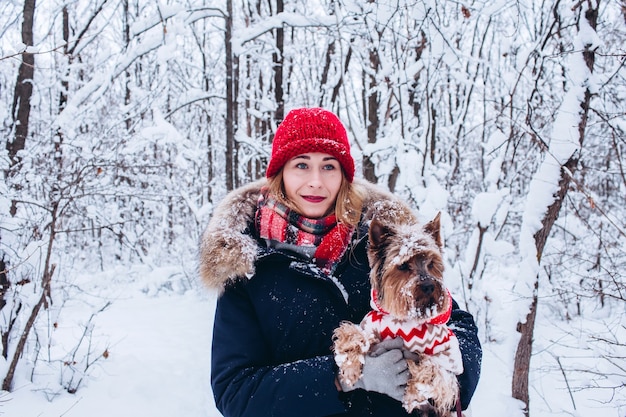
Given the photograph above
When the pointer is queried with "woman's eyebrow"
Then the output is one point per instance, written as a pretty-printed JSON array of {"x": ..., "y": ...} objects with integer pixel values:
[{"x": 307, "y": 157}]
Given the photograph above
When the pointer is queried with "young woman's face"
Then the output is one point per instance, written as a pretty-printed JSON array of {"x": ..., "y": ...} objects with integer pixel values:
[{"x": 312, "y": 182}]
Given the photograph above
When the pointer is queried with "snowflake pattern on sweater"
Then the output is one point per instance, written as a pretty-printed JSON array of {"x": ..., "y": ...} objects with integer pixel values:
[{"x": 432, "y": 337}]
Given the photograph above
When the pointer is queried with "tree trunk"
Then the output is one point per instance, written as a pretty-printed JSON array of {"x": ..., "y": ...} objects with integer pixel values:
[
  {"x": 520, "y": 383},
  {"x": 21, "y": 115},
  {"x": 4, "y": 288},
  {"x": 278, "y": 59},
  {"x": 65, "y": 86},
  {"x": 126, "y": 21},
  {"x": 373, "y": 104},
  {"x": 23, "y": 87},
  {"x": 231, "y": 107}
]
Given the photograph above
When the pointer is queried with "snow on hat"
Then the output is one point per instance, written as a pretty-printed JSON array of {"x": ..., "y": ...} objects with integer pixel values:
[{"x": 307, "y": 130}]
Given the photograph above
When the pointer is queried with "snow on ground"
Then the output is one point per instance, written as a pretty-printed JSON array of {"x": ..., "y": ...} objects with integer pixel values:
[{"x": 158, "y": 365}]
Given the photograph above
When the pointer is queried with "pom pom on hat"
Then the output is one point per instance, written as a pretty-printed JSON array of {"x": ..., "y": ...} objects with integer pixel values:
[{"x": 307, "y": 130}]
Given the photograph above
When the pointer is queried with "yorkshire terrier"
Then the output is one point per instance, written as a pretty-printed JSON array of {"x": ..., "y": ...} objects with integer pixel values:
[{"x": 409, "y": 300}]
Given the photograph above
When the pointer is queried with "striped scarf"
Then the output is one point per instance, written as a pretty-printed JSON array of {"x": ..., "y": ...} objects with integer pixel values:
[{"x": 276, "y": 222}]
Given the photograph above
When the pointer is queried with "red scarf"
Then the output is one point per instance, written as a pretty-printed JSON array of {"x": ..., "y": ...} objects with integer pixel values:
[{"x": 276, "y": 222}]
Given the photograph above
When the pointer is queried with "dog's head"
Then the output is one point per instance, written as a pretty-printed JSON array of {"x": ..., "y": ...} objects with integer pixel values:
[{"x": 407, "y": 269}]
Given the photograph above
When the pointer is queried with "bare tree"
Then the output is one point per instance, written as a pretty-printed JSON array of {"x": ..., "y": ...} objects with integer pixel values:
[
  {"x": 21, "y": 119},
  {"x": 372, "y": 109},
  {"x": 521, "y": 368},
  {"x": 232, "y": 69},
  {"x": 278, "y": 60},
  {"x": 23, "y": 86}
]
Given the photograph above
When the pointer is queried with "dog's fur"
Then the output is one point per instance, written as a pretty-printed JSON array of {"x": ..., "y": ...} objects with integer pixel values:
[{"x": 407, "y": 284}]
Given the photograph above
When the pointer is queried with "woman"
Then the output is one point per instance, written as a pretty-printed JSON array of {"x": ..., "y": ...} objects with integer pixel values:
[{"x": 288, "y": 258}]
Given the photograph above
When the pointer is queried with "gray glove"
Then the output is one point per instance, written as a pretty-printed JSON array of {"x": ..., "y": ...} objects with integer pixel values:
[
  {"x": 386, "y": 373},
  {"x": 390, "y": 344}
]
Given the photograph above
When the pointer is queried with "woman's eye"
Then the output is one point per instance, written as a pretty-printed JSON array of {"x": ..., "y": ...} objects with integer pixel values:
[
  {"x": 301, "y": 165},
  {"x": 329, "y": 167}
]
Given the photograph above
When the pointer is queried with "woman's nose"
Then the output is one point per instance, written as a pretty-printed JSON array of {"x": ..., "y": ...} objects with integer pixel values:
[{"x": 315, "y": 179}]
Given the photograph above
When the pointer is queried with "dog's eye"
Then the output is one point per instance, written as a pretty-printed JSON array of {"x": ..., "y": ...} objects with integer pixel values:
[
  {"x": 434, "y": 266},
  {"x": 403, "y": 267}
]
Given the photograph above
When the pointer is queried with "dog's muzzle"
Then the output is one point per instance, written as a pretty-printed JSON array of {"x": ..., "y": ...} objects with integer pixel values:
[{"x": 426, "y": 284}]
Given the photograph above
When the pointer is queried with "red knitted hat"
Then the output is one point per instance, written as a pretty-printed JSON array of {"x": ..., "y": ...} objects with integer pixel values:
[{"x": 310, "y": 130}]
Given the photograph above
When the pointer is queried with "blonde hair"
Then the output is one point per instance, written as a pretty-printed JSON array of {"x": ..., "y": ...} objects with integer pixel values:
[{"x": 348, "y": 205}]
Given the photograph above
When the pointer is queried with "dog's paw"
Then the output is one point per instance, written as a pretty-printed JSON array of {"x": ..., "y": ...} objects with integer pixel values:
[
  {"x": 349, "y": 338},
  {"x": 423, "y": 408},
  {"x": 430, "y": 389},
  {"x": 350, "y": 344}
]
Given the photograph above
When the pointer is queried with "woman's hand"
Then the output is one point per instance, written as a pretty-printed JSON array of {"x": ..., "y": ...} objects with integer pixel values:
[
  {"x": 385, "y": 371},
  {"x": 391, "y": 344}
]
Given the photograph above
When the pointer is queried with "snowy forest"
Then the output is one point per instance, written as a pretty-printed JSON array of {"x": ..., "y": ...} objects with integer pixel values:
[{"x": 124, "y": 122}]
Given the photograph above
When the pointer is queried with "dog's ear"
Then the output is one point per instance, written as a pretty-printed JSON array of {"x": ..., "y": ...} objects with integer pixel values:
[
  {"x": 433, "y": 228},
  {"x": 378, "y": 233}
]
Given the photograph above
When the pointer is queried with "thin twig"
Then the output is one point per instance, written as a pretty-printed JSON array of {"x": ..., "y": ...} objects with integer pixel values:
[{"x": 569, "y": 390}]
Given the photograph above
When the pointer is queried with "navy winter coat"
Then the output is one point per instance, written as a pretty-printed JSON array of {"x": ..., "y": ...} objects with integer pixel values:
[{"x": 272, "y": 335}]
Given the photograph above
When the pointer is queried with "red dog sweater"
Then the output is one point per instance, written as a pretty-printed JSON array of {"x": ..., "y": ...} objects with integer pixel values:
[{"x": 431, "y": 337}]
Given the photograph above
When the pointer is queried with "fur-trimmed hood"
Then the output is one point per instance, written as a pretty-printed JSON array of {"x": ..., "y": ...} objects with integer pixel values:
[{"x": 228, "y": 251}]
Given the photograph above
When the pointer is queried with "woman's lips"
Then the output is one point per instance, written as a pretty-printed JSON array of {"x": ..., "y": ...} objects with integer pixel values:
[{"x": 313, "y": 198}]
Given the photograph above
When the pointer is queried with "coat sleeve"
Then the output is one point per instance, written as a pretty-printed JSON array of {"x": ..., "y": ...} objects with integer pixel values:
[
  {"x": 462, "y": 323},
  {"x": 244, "y": 381}
]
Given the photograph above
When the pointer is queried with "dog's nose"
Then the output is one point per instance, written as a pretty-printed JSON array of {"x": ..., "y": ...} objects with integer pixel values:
[{"x": 427, "y": 287}]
